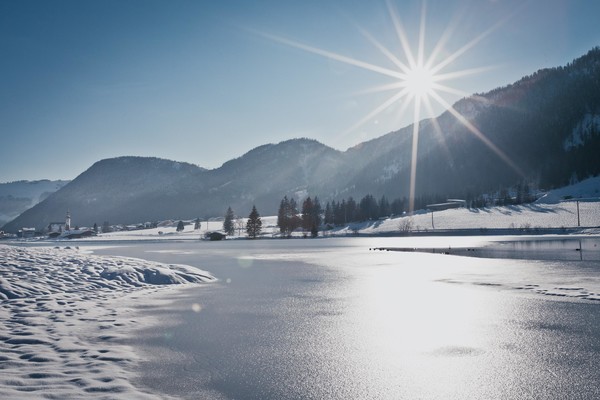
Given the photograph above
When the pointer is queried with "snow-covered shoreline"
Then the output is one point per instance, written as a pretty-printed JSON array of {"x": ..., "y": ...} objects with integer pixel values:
[
  {"x": 555, "y": 218},
  {"x": 572, "y": 209},
  {"x": 64, "y": 314}
]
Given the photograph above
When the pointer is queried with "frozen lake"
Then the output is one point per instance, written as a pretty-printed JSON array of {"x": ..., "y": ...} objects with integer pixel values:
[{"x": 314, "y": 319}]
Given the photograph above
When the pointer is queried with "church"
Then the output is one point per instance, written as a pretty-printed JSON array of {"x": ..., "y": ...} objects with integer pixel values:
[
  {"x": 55, "y": 229},
  {"x": 62, "y": 230}
]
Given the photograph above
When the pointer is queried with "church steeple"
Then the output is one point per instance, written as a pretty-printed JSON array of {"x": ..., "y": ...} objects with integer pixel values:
[{"x": 68, "y": 222}]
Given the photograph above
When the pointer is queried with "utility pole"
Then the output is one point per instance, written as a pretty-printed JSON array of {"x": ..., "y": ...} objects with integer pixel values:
[
  {"x": 578, "y": 221},
  {"x": 432, "y": 226}
]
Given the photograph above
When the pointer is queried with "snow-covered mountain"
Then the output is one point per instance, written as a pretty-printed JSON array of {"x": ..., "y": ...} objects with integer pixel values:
[
  {"x": 16, "y": 197},
  {"x": 542, "y": 130}
]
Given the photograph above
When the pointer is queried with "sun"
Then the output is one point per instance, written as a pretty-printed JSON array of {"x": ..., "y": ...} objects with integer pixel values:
[{"x": 417, "y": 79}]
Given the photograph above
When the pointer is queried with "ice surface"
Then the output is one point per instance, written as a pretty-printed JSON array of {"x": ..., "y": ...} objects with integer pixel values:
[
  {"x": 559, "y": 279},
  {"x": 64, "y": 314},
  {"x": 332, "y": 319}
]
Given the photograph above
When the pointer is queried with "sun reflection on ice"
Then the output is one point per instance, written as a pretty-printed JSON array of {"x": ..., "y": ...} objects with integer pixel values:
[
  {"x": 413, "y": 314},
  {"x": 417, "y": 330}
]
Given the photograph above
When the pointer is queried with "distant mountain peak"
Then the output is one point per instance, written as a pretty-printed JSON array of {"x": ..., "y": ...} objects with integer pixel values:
[{"x": 143, "y": 160}]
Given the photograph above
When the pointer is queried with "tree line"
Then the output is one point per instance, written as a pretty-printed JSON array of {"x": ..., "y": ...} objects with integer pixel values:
[
  {"x": 311, "y": 216},
  {"x": 289, "y": 219}
]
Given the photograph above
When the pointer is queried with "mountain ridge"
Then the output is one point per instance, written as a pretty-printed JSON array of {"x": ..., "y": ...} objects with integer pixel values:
[
  {"x": 526, "y": 124},
  {"x": 18, "y": 196}
]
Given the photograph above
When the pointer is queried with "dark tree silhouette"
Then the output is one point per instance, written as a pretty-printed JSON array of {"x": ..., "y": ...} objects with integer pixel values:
[
  {"x": 254, "y": 224},
  {"x": 228, "y": 225},
  {"x": 287, "y": 216}
]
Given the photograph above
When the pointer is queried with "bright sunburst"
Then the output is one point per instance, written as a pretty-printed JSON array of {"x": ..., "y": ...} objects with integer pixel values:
[{"x": 417, "y": 80}]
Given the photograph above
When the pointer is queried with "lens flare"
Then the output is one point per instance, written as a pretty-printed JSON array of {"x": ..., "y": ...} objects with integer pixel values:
[{"x": 416, "y": 80}]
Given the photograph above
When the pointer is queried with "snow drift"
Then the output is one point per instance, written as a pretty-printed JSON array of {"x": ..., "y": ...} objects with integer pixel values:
[{"x": 64, "y": 318}]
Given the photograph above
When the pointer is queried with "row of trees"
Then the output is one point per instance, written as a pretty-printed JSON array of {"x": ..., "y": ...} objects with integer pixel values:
[
  {"x": 253, "y": 223},
  {"x": 312, "y": 215},
  {"x": 309, "y": 219},
  {"x": 368, "y": 208}
]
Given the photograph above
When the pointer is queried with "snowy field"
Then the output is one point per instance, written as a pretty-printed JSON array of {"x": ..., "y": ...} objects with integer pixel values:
[
  {"x": 520, "y": 218},
  {"x": 63, "y": 313}
]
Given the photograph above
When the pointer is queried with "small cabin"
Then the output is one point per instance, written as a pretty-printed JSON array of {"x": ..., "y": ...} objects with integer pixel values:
[
  {"x": 27, "y": 233},
  {"x": 214, "y": 236},
  {"x": 449, "y": 204}
]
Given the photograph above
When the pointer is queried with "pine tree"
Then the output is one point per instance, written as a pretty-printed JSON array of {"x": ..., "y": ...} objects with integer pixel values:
[
  {"x": 317, "y": 211},
  {"x": 95, "y": 227},
  {"x": 384, "y": 207},
  {"x": 398, "y": 206},
  {"x": 316, "y": 217},
  {"x": 180, "y": 226},
  {"x": 287, "y": 216},
  {"x": 339, "y": 212},
  {"x": 293, "y": 207},
  {"x": 368, "y": 208},
  {"x": 282, "y": 215},
  {"x": 328, "y": 214},
  {"x": 197, "y": 224},
  {"x": 254, "y": 224},
  {"x": 351, "y": 210},
  {"x": 307, "y": 214},
  {"x": 228, "y": 225},
  {"x": 311, "y": 216},
  {"x": 293, "y": 220}
]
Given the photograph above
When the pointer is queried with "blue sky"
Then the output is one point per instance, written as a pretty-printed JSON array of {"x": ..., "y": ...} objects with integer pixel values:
[{"x": 206, "y": 81}]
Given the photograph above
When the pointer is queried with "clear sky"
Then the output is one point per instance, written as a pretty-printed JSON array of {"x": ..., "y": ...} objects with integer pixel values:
[{"x": 206, "y": 81}]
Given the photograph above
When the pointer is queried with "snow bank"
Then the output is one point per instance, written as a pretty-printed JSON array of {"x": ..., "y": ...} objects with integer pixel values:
[
  {"x": 63, "y": 316},
  {"x": 588, "y": 188},
  {"x": 29, "y": 272}
]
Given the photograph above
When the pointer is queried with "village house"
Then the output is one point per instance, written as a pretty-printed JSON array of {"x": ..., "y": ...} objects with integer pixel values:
[{"x": 56, "y": 227}]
